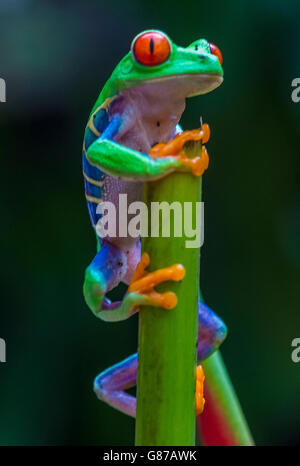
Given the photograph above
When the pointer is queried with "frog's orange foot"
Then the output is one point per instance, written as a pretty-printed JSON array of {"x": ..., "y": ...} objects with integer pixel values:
[
  {"x": 196, "y": 165},
  {"x": 175, "y": 146},
  {"x": 143, "y": 283},
  {"x": 199, "y": 390}
]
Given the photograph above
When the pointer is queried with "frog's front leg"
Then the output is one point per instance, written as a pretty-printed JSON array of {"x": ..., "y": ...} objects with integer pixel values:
[
  {"x": 106, "y": 271},
  {"x": 121, "y": 161}
]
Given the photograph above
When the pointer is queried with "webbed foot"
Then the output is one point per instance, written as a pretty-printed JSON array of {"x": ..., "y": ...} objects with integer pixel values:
[{"x": 175, "y": 148}]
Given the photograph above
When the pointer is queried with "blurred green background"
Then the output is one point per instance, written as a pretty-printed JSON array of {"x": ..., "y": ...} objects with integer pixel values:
[{"x": 55, "y": 58}]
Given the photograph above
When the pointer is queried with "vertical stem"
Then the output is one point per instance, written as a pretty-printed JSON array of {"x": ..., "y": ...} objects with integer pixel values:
[{"x": 167, "y": 339}]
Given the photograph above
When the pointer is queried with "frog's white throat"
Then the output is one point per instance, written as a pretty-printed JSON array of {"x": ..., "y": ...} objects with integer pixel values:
[{"x": 151, "y": 111}]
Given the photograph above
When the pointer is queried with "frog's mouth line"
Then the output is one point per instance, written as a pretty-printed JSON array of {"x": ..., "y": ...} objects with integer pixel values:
[{"x": 194, "y": 83}]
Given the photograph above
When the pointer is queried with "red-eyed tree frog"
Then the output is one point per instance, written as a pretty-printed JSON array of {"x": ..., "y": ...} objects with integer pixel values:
[{"x": 132, "y": 137}]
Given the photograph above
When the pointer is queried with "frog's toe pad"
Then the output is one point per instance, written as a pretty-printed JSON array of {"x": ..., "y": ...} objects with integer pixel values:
[{"x": 200, "y": 401}]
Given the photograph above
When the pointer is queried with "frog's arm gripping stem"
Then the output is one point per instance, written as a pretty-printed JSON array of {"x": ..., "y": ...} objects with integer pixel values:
[{"x": 118, "y": 160}]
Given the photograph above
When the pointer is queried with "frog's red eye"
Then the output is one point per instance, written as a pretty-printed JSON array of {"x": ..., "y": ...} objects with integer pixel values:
[
  {"x": 216, "y": 51},
  {"x": 151, "y": 48}
]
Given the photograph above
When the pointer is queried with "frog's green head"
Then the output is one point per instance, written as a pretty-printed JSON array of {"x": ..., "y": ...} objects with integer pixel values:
[{"x": 155, "y": 58}]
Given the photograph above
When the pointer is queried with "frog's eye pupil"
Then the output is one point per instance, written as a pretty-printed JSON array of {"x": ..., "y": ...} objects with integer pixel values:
[
  {"x": 151, "y": 45},
  {"x": 151, "y": 48},
  {"x": 216, "y": 51}
]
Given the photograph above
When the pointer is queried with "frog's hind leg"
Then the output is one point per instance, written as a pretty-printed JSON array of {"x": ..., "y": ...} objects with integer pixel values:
[
  {"x": 103, "y": 274},
  {"x": 110, "y": 385},
  {"x": 211, "y": 331}
]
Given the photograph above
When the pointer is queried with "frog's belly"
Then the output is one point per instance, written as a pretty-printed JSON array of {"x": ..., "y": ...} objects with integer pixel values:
[{"x": 113, "y": 189}]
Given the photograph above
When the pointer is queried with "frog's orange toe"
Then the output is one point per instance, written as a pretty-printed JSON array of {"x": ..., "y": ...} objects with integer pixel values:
[
  {"x": 167, "y": 300},
  {"x": 141, "y": 267},
  {"x": 175, "y": 146},
  {"x": 148, "y": 281},
  {"x": 196, "y": 165},
  {"x": 205, "y": 130},
  {"x": 200, "y": 401},
  {"x": 144, "y": 283}
]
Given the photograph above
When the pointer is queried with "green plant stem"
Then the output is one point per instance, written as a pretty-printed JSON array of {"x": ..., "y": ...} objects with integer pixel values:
[{"x": 167, "y": 338}]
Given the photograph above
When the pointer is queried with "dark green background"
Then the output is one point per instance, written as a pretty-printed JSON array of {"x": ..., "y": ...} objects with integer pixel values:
[{"x": 55, "y": 57}]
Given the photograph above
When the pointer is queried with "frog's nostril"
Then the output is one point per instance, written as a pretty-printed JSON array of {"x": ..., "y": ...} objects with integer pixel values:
[{"x": 201, "y": 57}]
